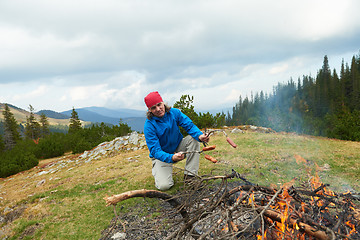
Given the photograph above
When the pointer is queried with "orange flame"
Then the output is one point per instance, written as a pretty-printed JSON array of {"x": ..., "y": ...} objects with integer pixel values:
[
  {"x": 352, "y": 226},
  {"x": 261, "y": 237}
]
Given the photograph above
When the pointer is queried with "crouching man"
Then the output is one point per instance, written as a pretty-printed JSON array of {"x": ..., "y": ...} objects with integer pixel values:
[{"x": 165, "y": 141}]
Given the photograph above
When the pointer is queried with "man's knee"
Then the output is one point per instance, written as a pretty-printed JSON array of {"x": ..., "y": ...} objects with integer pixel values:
[{"x": 163, "y": 186}]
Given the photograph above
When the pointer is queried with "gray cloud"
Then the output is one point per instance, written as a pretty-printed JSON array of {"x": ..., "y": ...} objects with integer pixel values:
[{"x": 120, "y": 50}]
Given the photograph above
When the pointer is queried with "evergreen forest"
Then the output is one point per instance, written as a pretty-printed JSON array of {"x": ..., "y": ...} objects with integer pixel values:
[
  {"x": 21, "y": 148},
  {"x": 326, "y": 105}
]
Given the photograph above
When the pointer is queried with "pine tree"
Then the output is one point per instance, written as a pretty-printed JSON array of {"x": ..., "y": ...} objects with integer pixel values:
[
  {"x": 2, "y": 144},
  {"x": 185, "y": 105},
  {"x": 75, "y": 124},
  {"x": 355, "y": 82},
  {"x": 11, "y": 129},
  {"x": 32, "y": 128},
  {"x": 44, "y": 128}
]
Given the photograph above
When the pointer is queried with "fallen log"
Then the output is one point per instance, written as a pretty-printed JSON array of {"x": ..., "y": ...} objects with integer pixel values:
[{"x": 114, "y": 199}]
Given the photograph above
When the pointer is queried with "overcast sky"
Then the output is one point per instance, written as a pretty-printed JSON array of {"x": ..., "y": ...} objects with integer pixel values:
[{"x": 61, "y": 54}]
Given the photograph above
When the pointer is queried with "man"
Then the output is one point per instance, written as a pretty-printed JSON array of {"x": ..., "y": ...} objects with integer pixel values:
[{"x": 166, "y": 143}]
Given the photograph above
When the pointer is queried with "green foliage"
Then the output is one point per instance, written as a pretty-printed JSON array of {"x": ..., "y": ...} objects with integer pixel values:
[
  {"x": 52, "y": 146},
  {"x": 345, "y": 125},
  {"x": 201, "y": 120},
  {"x": 79, "y": 143},
  {"x": 18, "y": 159},
  {"x": 2, "y": 144},
  {"x": 186, "y": 107}
]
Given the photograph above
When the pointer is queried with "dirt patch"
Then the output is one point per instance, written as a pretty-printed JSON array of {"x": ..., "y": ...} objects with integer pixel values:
[
  {"x": 142, "y": 221},
  {"x": 30, "y": 230},
  {"x": 11, "y": 214}
]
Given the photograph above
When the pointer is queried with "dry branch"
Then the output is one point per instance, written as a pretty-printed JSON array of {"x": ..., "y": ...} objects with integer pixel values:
[{"x": 114, "y": 199}]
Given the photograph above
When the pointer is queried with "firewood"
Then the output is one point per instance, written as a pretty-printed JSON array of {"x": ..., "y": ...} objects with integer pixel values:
[{"x": 321, "y": 235}]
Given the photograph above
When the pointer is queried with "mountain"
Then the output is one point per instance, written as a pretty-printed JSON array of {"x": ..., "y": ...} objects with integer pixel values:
[
  {"x": 93, "y": 117},
  {"x": 116, "y": 113},
  {"x": 134, "y": 118},
  {"x": 53, "y": 114}
]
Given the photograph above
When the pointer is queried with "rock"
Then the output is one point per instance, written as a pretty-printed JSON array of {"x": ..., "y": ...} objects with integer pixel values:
[
  {"x": 118, "y": 144},
  {"x": 237, "y": 130},
  {"x": 42, "y": 173},
  {"x": 253, "y": 127},
  {"x": 142, "y": 143},
  {"x": 84, "y": 155},
  {"x": 40, "y": 183},
  {"x": 134, "y": 138},
  {"x": 119, "y": 236}
]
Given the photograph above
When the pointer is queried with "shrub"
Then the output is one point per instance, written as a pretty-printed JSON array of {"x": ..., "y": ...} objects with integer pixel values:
[
  {"x": 18, "y": 159},
  {"x": 81, "y": 146},
  {"x": 51, "y": 146}
]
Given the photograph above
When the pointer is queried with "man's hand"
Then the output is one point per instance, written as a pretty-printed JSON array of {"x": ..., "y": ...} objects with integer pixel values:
[
  {"x": 204, "y": 138},
  {"x": 178, "y": 157}
]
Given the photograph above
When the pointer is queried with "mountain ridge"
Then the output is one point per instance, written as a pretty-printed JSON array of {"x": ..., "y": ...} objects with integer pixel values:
[
  {"x": 87, "y": 115},
  {"x": 129, "y": 116}
]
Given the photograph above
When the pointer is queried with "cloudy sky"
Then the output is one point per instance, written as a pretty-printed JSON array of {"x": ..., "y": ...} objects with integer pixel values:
[{"x": 61, "y": 54}]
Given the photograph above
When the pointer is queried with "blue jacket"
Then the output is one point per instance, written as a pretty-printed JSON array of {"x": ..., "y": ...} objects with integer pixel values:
[{"x": 163, "y": 134}]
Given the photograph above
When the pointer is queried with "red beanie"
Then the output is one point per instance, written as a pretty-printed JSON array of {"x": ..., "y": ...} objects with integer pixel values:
[{"x": 152, "y": 98}]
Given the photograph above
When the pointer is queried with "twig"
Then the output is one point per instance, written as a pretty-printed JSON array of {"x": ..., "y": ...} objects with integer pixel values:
[{"x": 262, "y": 212}]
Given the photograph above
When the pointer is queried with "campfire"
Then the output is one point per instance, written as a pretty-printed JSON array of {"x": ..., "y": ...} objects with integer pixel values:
[{"x": 231, "y": 207}]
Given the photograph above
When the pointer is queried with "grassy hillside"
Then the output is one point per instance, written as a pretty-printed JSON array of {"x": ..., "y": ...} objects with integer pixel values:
[
  {"x": 66, "y": 202},
  {"x": 21, "y": 114}
]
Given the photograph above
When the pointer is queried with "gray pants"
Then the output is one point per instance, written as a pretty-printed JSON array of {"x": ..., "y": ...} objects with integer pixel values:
[{"x": 162, "y": 171}]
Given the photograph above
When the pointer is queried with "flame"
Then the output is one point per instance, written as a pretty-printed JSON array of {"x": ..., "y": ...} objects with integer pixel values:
[
  {"x": 296, "y": 226},
  {"x": 302, "y": 206},
  {"x": 251, "y": 199},
  {"x": 241, "y": 194},
  {"x": 261, "y": 237},
  {"x": 352, "y": 226}
]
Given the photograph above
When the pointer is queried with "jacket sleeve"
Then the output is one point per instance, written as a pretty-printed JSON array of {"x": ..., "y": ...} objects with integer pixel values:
[
  {"x": 153, "y": 144},
  {"x": 185, "y": 122}
]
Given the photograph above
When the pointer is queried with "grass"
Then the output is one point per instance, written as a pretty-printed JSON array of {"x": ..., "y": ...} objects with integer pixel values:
[{"x": 70, "y": 205}]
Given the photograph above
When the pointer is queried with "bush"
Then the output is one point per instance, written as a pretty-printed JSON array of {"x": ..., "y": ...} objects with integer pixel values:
[
  {"x": 18, "y": 159},
  {"x": 51, "y": 146},
  {"x": 81, "y": 146}
]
